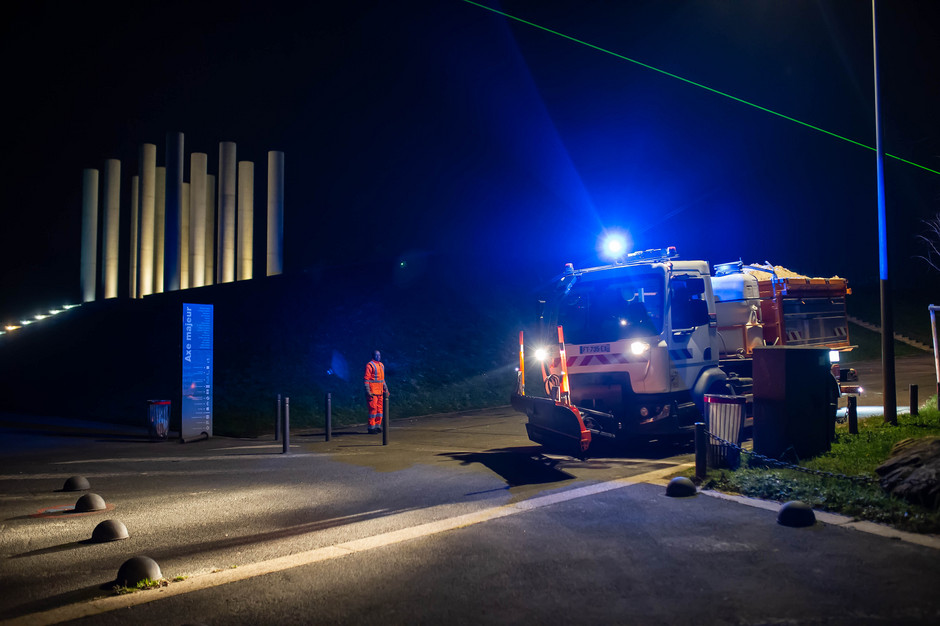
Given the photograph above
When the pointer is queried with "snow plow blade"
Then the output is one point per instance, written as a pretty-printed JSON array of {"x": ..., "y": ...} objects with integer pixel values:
[{"x": 554, "y": 425}]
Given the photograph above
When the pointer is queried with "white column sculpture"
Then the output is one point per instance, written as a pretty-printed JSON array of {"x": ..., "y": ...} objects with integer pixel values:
[
  {"x": 135, "y": 219},
  {"x": 227, "y": 211},
  {"x": 246, "y": 219},
  {"x": 184, "y": 238},
  {"x": 174, "y": 210},
  {"x": 275, "y": 253},
  {"x": 159, "y": 229},
  {"x": 110, "y": 230},
  {"x": 89, "y": 233},
  {"x": 145, "y": 236},
  {"x": 198, "y": 164},
  {"x": 210, "y": 229}
]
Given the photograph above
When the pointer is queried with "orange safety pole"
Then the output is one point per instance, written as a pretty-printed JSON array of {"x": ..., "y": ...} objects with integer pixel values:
[
  {"x": 521, "y": 365},
  {"x": 565, "y": 392}
]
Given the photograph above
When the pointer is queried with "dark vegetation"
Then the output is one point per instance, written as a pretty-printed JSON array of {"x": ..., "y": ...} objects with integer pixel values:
[
  {"x": 911, "y": 319},
  {"x": 448, "y": 345}
]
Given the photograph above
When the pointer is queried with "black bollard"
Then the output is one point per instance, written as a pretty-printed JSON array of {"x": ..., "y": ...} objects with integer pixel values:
[
  {"x": 385, "y": 419},
  {"x": 286, "y": 440},
  {"x": 277, "y": 417},
  {"x": 852, "y": 410},
  {"x": 701, "y": 447},
  {"x": 914, "y": 400},
  {"x": 329, "y": 416}
]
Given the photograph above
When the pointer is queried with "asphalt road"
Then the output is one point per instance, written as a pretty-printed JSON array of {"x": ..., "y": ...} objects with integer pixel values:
[
  {"x": 458, "y": 520},
  {"x": 910, "y": 370}
]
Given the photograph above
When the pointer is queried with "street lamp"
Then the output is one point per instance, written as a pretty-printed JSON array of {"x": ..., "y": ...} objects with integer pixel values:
[{"x": 890, "y": 400}]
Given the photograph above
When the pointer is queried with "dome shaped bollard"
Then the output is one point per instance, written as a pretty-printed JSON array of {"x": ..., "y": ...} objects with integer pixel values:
[
  {"x": 109, "y": 530},
  {"x": 90, "y": 502},
  {"x": 796, "y": 514},
  {"x": 680, "y": 487},
  {"x": 136, "y": 569},
  {"x": 76, "y": 483}
]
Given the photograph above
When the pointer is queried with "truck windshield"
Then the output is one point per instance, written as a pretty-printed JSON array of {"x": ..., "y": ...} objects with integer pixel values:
[{"x": 602, "y": 310}]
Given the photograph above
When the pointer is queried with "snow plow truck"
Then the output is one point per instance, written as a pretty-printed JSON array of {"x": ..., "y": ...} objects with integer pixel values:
[{"x": 631, "y": 349}]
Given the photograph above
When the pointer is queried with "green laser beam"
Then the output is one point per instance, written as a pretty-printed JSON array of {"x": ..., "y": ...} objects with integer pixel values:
[{"x": 692, "y": 82}]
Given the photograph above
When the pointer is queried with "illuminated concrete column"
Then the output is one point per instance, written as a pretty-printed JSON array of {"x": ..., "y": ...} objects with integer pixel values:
[
  {"x": 174, "y": 210},
  {"x": 246, "y": 219},
  {"x": 135, "y": 219},
  {"x": 159, "y": 229},
  {"x": 275, "y": 248},
  {"x": 145, "y": 231},
  {"x": 110, "y": 230},
  {"x": 210, "y": 229},
  {"x": 89, "y": 232},
  {"x": 227, "y": 211},
  {"x": 184, "y": 238},
  {"x": 198, "y": 163}
]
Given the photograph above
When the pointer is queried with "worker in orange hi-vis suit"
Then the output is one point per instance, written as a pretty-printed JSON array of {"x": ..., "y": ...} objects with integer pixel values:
[{"x": 376, "y": 391}]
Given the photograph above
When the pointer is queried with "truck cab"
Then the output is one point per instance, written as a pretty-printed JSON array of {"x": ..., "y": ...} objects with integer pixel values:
[{"x": 641, "y": 343}]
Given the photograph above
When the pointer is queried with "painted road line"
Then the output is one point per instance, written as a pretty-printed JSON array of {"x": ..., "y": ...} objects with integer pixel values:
[
  {"x": 149, "y": 473},
  {"x": 243, "y": 572},
  {"x": 175, "y": 459}
]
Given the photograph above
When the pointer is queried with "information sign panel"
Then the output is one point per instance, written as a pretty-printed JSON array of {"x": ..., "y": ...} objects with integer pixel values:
[{"x": 197, "y": 371}]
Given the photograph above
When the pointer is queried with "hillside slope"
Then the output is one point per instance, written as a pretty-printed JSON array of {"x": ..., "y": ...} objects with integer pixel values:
[{"x": 447, "y": 346}]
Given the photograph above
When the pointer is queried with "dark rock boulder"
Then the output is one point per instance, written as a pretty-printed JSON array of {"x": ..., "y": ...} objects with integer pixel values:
[{"x": 912, "y": 471}]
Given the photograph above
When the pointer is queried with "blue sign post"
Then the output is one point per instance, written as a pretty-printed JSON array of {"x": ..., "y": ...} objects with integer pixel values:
[{"x": 196, "y": 346}]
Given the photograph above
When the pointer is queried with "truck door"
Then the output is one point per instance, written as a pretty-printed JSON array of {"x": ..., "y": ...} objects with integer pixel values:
[{"x": 690, "y": 337}]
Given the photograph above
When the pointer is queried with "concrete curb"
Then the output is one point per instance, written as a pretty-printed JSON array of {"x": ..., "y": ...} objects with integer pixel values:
[
  {"x": 929, "y": 541},
  {"x": 833, "y": 519}
]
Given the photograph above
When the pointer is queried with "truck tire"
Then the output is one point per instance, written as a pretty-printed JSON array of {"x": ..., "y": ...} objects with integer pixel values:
[{"x": 712, "y": 381}]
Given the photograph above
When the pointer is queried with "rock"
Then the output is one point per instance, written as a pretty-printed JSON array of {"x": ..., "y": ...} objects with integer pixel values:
[{"x": 912, "y": 471}]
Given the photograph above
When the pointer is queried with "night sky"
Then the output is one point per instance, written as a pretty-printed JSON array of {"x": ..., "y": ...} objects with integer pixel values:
[{"x": 441, "y": 128}]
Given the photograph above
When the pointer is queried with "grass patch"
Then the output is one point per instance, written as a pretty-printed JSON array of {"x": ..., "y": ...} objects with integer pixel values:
[
  {"x": 851, "y": 455},
  {"x": 146, "y": 583},
  {"x": 911, "y": 315}
]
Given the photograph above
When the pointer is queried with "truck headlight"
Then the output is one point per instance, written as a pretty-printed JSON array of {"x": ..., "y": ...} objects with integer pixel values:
[{"x": 639, "y": 348}]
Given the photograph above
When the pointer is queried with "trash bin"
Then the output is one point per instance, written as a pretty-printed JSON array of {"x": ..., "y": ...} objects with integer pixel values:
[
  {"x": 159, "y": 411},
  {"x": 724, "y": 418}
]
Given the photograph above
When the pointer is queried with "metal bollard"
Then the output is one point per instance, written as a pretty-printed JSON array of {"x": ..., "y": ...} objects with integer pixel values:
[
  {"x": 701, "y": 446},
  {"x": 852, "y": 410},
  {"x": 914, "y": 400},
  {"x": 277, "y": 418},
  {"x": 286, "y": 445},
  {"x": 329, "y": 416},
  {"x": 385, "y": 419}
]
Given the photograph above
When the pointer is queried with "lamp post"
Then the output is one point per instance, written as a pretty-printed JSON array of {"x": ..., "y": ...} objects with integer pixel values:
[{"x": 890, "y": 400}]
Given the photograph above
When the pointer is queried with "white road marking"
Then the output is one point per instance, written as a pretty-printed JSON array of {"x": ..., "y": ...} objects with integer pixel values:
[
  {"x": 215, "y": 457},
  {"x": 189, "y": 472}
]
